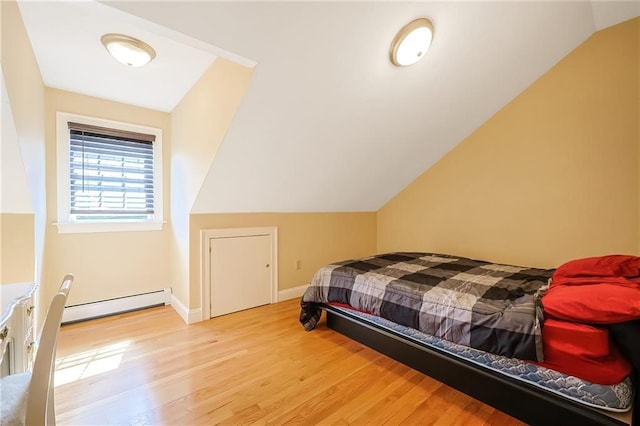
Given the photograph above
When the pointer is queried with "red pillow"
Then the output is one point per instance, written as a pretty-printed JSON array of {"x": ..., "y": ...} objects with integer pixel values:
[
  {"x": 603, "y": 303},
  {"x": 600, "y": 290},
  {"x": 620, "y": 268}
]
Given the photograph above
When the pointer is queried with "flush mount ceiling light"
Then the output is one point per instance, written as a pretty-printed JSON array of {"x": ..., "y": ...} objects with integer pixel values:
[
  {"x": 128, "y": 50},
  {"x": 412, "y": 42}
]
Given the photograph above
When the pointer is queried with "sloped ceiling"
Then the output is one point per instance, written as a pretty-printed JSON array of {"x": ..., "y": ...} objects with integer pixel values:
[
  {"x": 65, "y": 37},
  {"x": 328, "y": 124}
]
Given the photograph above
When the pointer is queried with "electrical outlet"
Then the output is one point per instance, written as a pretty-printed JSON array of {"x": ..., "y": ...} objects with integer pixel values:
[{"x": 297, "y": 265}]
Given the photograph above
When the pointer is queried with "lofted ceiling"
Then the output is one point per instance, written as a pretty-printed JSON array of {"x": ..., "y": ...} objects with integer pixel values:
[{"x": 327, "y": 124}]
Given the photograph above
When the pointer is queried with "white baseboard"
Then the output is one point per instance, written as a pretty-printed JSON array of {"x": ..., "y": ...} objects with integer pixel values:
[
  {"x": 103, "y": 308},
  {"x": 195, "y": 315},
  {"x": 292, "y": 293},
  {"x": 191, "y": 316},
  {"x": 188, "y": 316}
]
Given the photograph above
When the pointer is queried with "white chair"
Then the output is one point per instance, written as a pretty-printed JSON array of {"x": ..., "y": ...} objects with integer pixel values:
[{"x": 27, "y": 398}]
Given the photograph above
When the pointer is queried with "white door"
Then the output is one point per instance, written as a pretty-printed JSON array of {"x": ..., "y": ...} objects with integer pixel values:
[{"x": 240, "y": 273}]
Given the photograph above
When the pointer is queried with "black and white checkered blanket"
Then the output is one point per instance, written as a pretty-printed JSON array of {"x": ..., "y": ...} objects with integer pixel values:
[{"x": 483, "y": 305}]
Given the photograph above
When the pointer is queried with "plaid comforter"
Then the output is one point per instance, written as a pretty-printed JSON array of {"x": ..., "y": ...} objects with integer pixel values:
[{"x": 479, "y": 304}]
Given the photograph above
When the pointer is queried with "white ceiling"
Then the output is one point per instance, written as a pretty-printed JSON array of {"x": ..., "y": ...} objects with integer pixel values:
[
  {"x": 607, "y": 13},
  {"x": 66, "y": 40},
  {"x": 328, "y": 124}
]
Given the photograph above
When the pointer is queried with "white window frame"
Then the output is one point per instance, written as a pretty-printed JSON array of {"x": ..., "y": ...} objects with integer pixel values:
[{"x": 65, "y": 223}]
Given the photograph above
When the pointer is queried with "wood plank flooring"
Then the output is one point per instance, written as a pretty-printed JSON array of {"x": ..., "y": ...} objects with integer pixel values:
[{"x": 256, "y": 366}]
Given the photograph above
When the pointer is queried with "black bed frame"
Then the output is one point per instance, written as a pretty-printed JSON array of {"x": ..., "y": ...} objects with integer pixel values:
[{"x": 526, "y": 402}]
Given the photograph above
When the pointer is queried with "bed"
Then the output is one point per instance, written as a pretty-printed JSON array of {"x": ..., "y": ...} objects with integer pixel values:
[{"x": 474, "y": 325}]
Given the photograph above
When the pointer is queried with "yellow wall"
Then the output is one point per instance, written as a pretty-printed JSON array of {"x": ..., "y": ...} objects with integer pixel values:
[
  {"x": 199, "y": 123},
  {"x": 25, "y": 90},
  {"x": 314, "y": 239},
  {"x": 108, "y": 264},
  {"x": 17, "y": 248},
  {"x": 552, "y": 176}
]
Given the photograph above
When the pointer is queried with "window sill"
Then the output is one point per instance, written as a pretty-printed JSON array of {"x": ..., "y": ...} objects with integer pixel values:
[{"x": 78, "y": 228}]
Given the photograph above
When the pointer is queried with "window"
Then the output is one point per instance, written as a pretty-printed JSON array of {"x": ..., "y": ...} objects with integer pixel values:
[{"x": 109, "y": 175}]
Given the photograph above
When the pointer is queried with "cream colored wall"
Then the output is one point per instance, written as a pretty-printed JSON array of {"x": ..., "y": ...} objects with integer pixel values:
[
  {"x": 552, "y": 176},
  {"x": 199, "y": 123},
  {"x": 17, "y": 248},
  {"x": 25, "y": 90},
  {"x": 314, "y": 239},
  {"x": 109, "y": 264}
]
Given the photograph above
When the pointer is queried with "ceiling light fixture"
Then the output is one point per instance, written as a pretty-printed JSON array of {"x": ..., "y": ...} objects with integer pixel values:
[
  {"x": 128, "y": 50},
  {"x": 412, "y": 42}
]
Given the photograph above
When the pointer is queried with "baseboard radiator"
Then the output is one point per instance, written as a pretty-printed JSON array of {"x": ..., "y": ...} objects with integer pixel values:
[{"x": 103, "y": 308}]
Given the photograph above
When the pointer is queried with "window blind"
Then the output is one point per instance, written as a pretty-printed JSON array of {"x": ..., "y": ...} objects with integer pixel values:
[{"x": 110, "y": 172}]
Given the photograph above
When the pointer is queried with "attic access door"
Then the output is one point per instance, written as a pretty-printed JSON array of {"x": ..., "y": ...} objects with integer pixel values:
[{"x": 241, "y": 269}]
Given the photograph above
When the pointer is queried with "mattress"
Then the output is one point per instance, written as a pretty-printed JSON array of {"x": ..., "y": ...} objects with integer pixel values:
[{"x": 614, "y": 398}]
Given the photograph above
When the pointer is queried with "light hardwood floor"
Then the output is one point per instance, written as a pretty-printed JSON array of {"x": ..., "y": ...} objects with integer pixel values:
[{"x": 256, "y": 366}]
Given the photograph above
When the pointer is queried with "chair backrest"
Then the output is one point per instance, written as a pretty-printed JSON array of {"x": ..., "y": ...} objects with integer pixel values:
[{"x": 40, "y": 403}]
